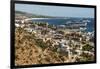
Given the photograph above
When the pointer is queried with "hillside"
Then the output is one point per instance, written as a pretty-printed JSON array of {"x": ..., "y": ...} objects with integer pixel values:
[{"x": 28, "y": 52}]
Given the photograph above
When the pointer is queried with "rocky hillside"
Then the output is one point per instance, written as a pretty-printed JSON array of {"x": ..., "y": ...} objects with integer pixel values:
[{"x": 28, "y": 52}]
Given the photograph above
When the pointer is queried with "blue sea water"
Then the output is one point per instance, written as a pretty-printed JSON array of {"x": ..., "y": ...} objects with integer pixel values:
[{"x": 62, "y": 21}]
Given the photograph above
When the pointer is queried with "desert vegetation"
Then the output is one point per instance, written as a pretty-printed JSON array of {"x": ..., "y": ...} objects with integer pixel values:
[{"x": 32, "y": 51}]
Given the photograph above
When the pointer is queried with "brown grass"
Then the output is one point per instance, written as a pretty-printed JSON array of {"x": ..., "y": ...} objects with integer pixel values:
[{"x": 27, "y": 52}]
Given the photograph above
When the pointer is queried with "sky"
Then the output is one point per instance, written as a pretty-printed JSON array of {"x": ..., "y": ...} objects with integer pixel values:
[{"x": 59, "y": 11}]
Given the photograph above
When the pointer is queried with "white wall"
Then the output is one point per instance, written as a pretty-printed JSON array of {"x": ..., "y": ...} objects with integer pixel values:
[{"x": 5, "y": 33}]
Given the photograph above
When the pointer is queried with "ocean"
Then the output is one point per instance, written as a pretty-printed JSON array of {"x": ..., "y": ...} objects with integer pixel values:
[{"x": 62, "y": 21}]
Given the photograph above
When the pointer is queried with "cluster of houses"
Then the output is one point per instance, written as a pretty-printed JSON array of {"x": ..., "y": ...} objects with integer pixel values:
[{"x": 66, "y": 43}]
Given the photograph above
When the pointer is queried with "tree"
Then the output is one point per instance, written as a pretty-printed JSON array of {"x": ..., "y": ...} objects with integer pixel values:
[
  {"x": 44, "y": 32},
  {"x": 87, "y": 47},
  {"x": 61, "y": 32}
]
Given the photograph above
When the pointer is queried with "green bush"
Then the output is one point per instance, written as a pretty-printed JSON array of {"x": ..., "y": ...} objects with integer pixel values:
[
  {"x": 87, "y": 57},
  {"x": 87, "y": 47},
  {"x": 41, "y": 44}
]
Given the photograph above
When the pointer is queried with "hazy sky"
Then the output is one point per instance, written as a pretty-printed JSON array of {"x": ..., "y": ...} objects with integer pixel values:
[{"x": 56, "y": 10}]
